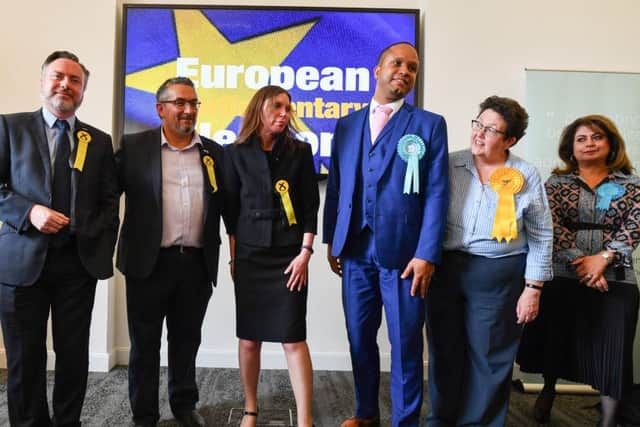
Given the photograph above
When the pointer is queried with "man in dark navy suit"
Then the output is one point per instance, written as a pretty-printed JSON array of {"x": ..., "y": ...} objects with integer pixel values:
[
  {"x": 58, "y": 226},
  {"x": 168, "y": 249},
  {"x": 384, "y": 221}
]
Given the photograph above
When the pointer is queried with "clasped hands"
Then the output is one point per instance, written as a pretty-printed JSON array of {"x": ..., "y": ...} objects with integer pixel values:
[{"x": 591, "y": 269}]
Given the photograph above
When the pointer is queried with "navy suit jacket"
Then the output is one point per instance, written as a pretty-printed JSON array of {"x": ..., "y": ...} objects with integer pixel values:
[
  {"x": 139, "y": 164},
  {"x": 25, "y": 180},
  {"x": 406, "y": 225}
]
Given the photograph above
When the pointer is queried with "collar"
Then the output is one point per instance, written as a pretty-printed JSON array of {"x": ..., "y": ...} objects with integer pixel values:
[
  {"x": 195, "y": 139},
  {"x": 50, "y": 119},
  {"x": 395, "y": 106},
  {"x": 466, "y": 160},
  {"x": 611, "y": 176}
]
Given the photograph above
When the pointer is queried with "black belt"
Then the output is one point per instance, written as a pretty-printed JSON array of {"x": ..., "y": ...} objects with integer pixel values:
[
  {"x": 190, "y": 250},
  {"x": 263, "y": 214},
  {"x": 575, "y": 226}
]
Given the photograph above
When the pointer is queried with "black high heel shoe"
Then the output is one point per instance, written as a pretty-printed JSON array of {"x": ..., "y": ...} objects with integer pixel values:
[{"x": 542, "y": 407}]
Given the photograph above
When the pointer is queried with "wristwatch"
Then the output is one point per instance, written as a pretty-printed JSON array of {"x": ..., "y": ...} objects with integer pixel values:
[{"x": 607, "y": 256}]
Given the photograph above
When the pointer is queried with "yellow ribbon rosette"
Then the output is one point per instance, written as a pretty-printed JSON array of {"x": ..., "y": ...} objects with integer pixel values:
[
  {"x": 282, "y": 188},
  {"x": 208, "y": 162},
  {"x": 506, "y": 182},
  {"x": 84, "y": 138}
]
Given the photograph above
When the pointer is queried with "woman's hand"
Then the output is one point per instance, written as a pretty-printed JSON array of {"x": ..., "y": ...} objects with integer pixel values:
[
  {"x": 298, "y": 268},
  {"x": 590, "y": 269},
  {"x": 528, "y": 305}
]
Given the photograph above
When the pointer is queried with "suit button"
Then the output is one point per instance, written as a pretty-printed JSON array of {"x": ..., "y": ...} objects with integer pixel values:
[
  {"x": 369, "y": 185},
  {"x": 370, "y": 169},
  {"x": 368, "y": 200},
  {"x": 372, "y": 154}
]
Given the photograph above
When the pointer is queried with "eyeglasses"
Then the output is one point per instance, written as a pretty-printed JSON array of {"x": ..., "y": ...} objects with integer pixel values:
[
  {"x": 182, "y": 103},
  {"x": 477, "y": 125}
]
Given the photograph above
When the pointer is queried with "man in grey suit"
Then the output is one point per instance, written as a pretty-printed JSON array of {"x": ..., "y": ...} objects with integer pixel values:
[
  {"x": 168, "y": 249},
  {"x": 58, "y": 226}
]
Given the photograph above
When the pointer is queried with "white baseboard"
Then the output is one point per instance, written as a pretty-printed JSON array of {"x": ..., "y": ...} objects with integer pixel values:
[
  {"x": 271, "y": 359},
  {"x": 98, "y": 362}
]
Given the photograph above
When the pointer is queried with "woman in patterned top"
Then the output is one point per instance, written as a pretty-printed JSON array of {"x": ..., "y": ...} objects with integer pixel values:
[{"x": 588, "y": 315}]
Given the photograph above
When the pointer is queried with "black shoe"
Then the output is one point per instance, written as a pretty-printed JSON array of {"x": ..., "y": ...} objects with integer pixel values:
[
  {"x": 190, "y": 419},
  {"x": 542, "y": 407}
]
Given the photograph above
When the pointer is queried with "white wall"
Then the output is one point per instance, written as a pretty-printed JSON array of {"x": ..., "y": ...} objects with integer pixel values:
[{"x": 470, "y": 50}]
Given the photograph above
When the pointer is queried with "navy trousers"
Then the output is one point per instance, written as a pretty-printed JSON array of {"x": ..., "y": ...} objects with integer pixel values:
[
  {"x": 473, "y": 338},
  {"x": 67, "y": 290},
  {"x": 367, "y": 288}
]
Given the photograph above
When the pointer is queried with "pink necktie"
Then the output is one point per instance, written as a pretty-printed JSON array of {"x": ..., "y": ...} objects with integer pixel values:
[{"x": 380, "y": 118}]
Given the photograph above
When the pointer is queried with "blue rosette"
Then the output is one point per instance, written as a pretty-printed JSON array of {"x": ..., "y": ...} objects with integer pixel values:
[
  {"x": 607, "y": 192},
  {"x": 411, "y": 149}
]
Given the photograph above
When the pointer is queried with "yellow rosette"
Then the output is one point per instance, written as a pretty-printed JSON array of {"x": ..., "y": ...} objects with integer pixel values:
[
  {"x": 84, "y": 138},
  {"x": 282, "y": 188},
  {"x": 208, "y": 162},
  {"x": 506, "y": 182}
]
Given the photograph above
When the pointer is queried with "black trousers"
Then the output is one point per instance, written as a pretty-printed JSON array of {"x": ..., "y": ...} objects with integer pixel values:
[
  {"x": 179, "y": 290},
  {"x": 66, "y": 289}
]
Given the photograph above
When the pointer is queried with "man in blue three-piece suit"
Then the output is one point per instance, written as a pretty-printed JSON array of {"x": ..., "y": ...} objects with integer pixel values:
[
  {"x": 58, "y": 226},
  {"x": 384, "y": 220}
]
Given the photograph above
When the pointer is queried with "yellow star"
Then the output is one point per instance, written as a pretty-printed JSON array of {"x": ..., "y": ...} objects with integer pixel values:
[{"x": 199, "y": 38}]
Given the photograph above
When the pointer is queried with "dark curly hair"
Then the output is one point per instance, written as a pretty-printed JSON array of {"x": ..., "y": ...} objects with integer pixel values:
[{"x": 513, "y": 114}]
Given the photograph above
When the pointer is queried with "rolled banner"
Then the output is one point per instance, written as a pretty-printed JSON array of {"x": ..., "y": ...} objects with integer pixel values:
[
  {"x": 282, "y": 188},
  {"x": 208, "y": 162},
  {"x": 506, "y": 182},
  {"x": 411, "y": 149},
  {"x": 84, "y": 138},
  {"x": 608, "y": 192}
]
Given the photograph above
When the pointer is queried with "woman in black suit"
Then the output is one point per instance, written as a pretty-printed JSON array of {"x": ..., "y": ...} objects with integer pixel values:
[{"x": 274, "y": 200}]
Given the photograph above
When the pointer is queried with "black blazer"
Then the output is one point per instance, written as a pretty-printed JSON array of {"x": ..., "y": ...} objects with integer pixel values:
[
  {"x": 25, "y": 180},
  {"x": 139, "y": 166},
  {"x": 256, "y": 214}
]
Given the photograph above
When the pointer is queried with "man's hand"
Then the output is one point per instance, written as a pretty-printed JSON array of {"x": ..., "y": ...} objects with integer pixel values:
[
  {"x": 334, "y": 262},
  {"x": 422, "y": 271},
  {"x": 47, "y": 220}
]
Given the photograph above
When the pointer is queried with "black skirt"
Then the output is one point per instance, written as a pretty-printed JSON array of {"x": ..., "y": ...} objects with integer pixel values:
[
  {"x": 583, "y": 335},
  {"x": 265, "y": 309}
]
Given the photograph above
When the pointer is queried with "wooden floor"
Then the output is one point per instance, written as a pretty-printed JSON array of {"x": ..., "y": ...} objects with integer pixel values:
[{"x": 107, "y": 404}]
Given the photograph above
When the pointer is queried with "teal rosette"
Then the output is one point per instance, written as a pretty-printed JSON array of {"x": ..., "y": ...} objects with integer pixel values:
[
  {"x": 607, "y": 192},
  {"x": 411, "y": 149}
]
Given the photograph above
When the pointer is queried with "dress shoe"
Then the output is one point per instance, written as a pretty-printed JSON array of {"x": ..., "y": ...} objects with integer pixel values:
[
  {"x": 542, "y": 407},
  {"x": 361, "y": 422},
  {"x": 190, "y": 419}
]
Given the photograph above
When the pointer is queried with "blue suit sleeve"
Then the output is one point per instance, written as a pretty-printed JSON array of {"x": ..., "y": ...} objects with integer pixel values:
[
  {"x": 333, "y": 190},
  {"x": 437, "y": 196},
  {"x": 14, "y": 208}
]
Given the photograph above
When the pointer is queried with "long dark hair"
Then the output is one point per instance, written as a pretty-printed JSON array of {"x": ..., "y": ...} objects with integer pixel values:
[
  {"x": 617, "y": 160},
  {"x": 251, "y": 121}
]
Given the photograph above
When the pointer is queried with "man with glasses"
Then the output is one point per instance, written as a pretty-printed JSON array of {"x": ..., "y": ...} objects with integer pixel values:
[
  {"x": 58, "y": 227},
  {"x": 168, "y": 249}
]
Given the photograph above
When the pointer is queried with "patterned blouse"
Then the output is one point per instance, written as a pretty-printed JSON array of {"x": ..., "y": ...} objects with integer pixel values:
[{"x": 587, "y": 221}]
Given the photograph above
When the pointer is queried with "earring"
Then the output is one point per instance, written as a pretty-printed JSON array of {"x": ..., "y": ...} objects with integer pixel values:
[{"x": 571, "y": 158}]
